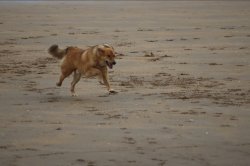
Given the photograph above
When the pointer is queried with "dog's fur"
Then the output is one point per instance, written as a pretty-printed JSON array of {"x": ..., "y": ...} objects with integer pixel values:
[{"x": 90, "y": 62}]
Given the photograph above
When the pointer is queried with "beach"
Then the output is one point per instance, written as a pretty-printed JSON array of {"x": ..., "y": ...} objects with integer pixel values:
[{"x": 182, "y": 77}]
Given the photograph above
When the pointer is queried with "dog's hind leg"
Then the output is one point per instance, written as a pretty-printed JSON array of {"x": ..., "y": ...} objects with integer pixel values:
[
  {"x": 76, "y": 79},
  {"x": 64, "y": 74},
  {"x": 100, "y": 79},
  {"x": 59, "y": 83}
]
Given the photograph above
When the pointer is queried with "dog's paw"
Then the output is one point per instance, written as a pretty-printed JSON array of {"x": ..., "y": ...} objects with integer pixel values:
[
  {"x": 58, "y": 84},
  {"x": 112, "y": 91},
  {"x": 73, "y": 94}
]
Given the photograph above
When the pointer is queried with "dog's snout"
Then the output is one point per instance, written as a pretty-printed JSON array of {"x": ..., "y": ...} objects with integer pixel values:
[{"x": 114, "y": 63}]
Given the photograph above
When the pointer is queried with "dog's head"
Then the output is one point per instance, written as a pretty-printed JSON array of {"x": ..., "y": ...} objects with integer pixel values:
[{"x": 107, "y": 55}]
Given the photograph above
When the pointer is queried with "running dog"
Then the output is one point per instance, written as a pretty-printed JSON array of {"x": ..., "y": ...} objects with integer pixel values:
[{"x": 93, "y": 61}]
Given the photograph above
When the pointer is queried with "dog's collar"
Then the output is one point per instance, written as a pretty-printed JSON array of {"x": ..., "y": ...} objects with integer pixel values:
[{"x": 99, "y": 66}]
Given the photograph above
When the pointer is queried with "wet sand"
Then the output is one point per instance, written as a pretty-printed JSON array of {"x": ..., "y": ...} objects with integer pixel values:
[{"x": 182, "y": 76}]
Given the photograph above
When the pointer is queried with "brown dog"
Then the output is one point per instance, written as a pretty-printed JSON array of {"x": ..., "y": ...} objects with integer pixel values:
[{"x": 90, "y": 62}]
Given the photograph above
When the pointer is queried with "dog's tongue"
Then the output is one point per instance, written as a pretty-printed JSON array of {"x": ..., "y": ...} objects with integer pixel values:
[{"x": 109, "y": 65}]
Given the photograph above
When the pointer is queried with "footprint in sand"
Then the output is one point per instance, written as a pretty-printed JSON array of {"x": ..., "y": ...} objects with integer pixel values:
[
  {"x": 129, "y": 140},
  {"x": 228, "y": 36},
  {"x": 53, "y": 99},
  {"x": 170, "y": 40},
  {"x": 183, "y": 63},
  {"x": 81, "y": 160},
  {"x": 151, "y": 41},
  {"x": 50, "y": 94},
  {"x": 125, "y": 130},
  {"x": 117, "y": 30},
  {"x": 197, "y": 28},
  {"x": 151, "y": 141},
  {"x": 233, "y": 118},
  {"x": 218, "y": 114},
  {"x": 92, "y": 109},
  {"x": 142, "y": 29},
  {"x": 140, "y": 150},
  {"x": 91, "y": 163},
  {"x": 134, "y": 52},
  {"x": 161, "y": 162},
  {"x": 112, "y": 160},
  {"x": 183, "y": 39},
  {"x": 225, "y": 125},
  {"x": 190, "y": 112},
  {"x": 214, "y": 64}
]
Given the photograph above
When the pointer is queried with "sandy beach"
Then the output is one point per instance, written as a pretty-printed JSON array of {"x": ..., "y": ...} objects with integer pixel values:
[{"x": 182, "y": 76}]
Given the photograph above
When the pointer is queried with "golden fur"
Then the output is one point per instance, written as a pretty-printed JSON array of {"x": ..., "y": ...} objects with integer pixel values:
[{"x": 90, "y": 62}]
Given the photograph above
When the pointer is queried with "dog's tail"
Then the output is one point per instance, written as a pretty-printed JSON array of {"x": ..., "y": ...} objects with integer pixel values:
[{"x": 56, "y": 52}]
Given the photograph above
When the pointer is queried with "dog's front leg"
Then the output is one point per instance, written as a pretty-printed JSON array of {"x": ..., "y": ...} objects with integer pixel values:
[{"x": 106, "y": 80}]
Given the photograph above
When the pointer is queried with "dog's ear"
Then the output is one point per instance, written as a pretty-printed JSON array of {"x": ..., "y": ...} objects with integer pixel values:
[
  {"x": 101, "y": 51},
  {"x": 109, "y": 46}
]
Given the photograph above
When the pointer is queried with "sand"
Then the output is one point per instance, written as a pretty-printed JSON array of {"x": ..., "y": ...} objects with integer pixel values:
[{"x": 182, "y": 75}]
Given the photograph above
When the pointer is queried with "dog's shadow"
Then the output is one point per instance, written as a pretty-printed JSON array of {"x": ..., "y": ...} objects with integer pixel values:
[{"x": 93, "y": 98}]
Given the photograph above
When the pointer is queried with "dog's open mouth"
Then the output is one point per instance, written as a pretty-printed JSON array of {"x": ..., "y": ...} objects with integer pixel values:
[{"x": 110, "y": 65}]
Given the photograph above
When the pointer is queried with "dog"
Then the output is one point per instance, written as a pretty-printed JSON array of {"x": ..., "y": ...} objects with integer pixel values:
[{"x": 93, "y": 61}]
